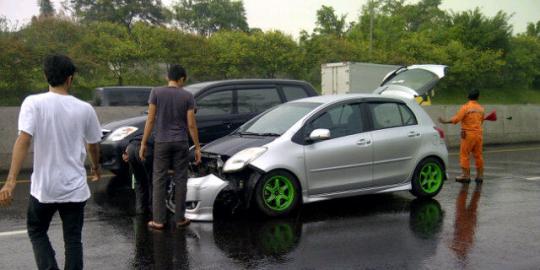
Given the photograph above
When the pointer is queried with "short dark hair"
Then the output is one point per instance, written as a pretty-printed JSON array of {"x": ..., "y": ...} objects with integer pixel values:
[
  {"x": 474, "y": 94},
  {"x": 176, "y": 72},
  {"x": 58, "y": 68}
]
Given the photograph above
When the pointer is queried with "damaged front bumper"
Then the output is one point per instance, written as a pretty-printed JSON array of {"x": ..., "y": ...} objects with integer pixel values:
[{"x": 201, "y": 196}]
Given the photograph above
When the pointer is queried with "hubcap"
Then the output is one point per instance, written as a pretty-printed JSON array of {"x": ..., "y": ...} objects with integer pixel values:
[
  {"x": 278, "y": 193},
  {"x": 431, "y": 177}
]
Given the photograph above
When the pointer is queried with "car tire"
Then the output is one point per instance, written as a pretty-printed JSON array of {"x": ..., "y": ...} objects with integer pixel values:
[
  {"x": 428, "y": 178},
  {"x": 277, "y": 193}
]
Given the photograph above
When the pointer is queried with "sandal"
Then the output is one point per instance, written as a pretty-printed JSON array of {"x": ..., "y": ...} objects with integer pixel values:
[
  {"x": 156, "y": 226},
  {"x": 463, "y": 179},
  {"x": 183, "y": 223}
]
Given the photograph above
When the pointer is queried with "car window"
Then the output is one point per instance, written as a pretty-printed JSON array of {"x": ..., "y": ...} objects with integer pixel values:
[
  {"x": 294, "y": 92},
  {"x": 342, "y": 121},
  {"x": 136, "y": 97},
  {"x": 407, "y": 115},
  {"x": 257, "y": 100},
  {"x": 387, "y": 115},
  {"x": 215, "y": 103}
]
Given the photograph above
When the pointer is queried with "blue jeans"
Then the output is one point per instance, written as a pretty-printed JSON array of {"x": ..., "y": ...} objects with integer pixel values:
[{"x": 39, "y": 217}]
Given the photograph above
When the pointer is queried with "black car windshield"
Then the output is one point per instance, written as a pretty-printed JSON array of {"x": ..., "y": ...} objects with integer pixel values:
[{"x": 277, "y": 120}]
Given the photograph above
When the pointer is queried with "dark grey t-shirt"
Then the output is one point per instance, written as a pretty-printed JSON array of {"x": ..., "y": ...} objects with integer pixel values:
[{"x": 172, "y": 105}]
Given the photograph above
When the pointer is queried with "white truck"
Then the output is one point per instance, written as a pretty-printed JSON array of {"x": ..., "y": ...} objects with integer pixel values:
[{"x": 352, "y": 77}]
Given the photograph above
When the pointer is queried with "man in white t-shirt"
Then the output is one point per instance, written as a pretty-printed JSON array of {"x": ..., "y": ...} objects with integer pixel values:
[{"x": 61, "y": 128}]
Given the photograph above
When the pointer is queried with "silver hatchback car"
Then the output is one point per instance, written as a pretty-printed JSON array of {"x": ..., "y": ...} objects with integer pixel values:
[{"x": 326, "y": 147}]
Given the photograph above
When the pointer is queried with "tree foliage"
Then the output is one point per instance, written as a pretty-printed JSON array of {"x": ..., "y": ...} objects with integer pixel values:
[
  {"x": 112, "y": 45},
  {"x": 328, "y": 23},
  {"x": 45, "y": 8},
  {"x": 209, "y": 16},
  {"x": 533, "y": 30},
  {"x": 123, "y": 12}
]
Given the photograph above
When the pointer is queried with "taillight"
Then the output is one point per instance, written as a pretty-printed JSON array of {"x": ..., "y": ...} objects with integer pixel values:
[{"x": 441, "y": 132}]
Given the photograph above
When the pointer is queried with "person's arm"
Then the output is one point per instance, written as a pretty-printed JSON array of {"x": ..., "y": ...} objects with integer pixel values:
[
  {"x": 148, "y": 126},
  {"x": 444, "y": 121},
  {"x": 194, "y": 133},
  {"x": 93, "y": 151},
  {"x": 20, "y": 150},
  {"x": 456, "y": 118}
]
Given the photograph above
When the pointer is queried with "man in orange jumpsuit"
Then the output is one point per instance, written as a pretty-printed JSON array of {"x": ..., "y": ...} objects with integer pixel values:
[{"x": 471, "y": 116}]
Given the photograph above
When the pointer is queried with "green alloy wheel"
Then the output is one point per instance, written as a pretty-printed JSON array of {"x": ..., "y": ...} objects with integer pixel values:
[
  {"x": 428, "y": 178},
  {"x": 277, "y": 193}
]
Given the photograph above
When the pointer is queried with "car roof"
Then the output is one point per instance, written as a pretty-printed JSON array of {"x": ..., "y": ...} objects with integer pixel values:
[
  {"x": 345, "y": 97},
  {"x": 244, "y": 81},
  {"x": 123, "y": 87}
]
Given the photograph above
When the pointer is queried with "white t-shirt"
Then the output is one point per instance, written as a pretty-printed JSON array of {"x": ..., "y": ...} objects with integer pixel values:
[{"x": 60, "y": 126}]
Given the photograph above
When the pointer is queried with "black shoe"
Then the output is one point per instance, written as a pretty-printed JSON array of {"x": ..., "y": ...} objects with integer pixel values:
[
  {"x": 479, "y": 180},
  {"x": 463, "y": 179}
]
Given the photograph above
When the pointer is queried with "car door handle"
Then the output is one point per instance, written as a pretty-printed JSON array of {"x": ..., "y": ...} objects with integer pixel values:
[
  {"x": 413, "y": 134},
  {"x": 363, "y": 142}
]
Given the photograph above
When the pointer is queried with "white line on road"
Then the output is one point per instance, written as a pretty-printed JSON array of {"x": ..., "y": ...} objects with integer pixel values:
[
  {"x": 13, "y": 233},
  {"x": 533, "y": 178}
]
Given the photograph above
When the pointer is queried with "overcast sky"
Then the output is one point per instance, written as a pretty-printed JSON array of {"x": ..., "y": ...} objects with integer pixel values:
[{"x": 292, "y": 16}]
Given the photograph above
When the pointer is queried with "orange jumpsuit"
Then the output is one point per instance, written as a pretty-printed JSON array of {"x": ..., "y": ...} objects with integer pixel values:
[{"x": 471, "y": 116}]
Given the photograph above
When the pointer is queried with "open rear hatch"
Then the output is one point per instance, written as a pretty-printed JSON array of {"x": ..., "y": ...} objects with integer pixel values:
[{"x": 412, "y": 82}]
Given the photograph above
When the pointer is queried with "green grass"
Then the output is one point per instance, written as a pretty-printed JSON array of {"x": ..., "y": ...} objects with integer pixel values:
[{"x": 489, "y": 96}]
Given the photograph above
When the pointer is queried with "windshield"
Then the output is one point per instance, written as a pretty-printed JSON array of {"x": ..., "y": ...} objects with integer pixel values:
[{"x": 278, "y": 119}]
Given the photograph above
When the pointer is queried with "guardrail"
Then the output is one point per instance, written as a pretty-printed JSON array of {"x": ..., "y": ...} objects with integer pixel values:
[{"x": 515, "y": 124}]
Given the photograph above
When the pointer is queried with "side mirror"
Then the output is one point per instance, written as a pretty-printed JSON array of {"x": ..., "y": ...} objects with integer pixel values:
[{"x": 320, "y": 134}]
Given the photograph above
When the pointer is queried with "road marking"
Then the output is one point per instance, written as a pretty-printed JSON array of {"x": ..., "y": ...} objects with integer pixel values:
[
  {"x": 504, "y": 150},
  {"x": 13, "y": 233},
  {"x": 533, "y": 178}
]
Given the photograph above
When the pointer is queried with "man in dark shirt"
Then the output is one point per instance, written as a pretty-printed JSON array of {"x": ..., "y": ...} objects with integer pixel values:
[
  {"x": 172, "y": 110},
  {"x": 142, "y": 172}
]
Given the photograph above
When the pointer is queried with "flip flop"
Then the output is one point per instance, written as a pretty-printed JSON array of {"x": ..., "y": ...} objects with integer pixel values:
[
  {"x": 183, "y": 223},
  {"x": 155, "y": 225}
]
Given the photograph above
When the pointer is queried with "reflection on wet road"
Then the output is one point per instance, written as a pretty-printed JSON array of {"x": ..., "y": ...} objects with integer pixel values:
[
  {"x": 465, "y": 222},
  {"x": 493, "y": 226}
]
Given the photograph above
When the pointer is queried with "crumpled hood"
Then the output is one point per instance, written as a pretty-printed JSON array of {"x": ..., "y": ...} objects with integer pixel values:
[{"x": 232, "y": 144}]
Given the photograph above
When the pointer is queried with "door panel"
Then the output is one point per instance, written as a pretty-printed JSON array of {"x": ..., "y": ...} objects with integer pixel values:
[
  {"x": 396, "y": 140},
  {"x": 342, "y": 163}
]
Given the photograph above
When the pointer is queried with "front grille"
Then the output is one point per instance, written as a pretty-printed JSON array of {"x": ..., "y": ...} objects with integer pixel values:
[{"x": 210, "y": 164}]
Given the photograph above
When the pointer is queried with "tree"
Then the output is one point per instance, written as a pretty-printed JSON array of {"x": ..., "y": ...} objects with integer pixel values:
[
  {"x": 533, "y": 30},
  {"x": 124, "y": 12},
  {"x": 275, "y": 55},
  {"x": 328, "y": 23},
  {"x": 209, "y": 16},
  {"x": 475, "y": 30},
  {"x": 45, "y": 8},
  {"x": 107, "y": 46}
]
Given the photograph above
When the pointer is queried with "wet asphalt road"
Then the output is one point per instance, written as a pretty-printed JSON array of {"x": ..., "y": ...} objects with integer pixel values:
[{"x": 492, "y": 226}]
